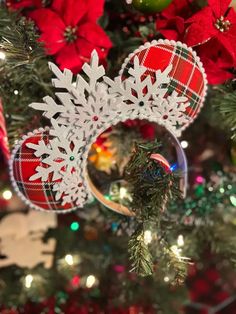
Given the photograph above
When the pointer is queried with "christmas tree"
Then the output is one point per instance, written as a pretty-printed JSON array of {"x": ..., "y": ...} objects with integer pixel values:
[{"x": 118, "y": 154}]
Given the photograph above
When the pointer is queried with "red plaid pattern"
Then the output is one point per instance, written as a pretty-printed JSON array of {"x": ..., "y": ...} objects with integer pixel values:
[
  {"x": 39, "y": 193},
  {"x": 187, "y": 78}
]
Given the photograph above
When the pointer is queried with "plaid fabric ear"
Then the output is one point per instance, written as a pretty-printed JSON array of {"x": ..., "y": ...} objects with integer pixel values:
[
  {"x": 187, "y": 76},
  {"x": 37, "y": 194}
]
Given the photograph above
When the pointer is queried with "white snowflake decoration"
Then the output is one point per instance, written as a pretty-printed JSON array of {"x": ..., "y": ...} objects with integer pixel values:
[
  {"x": 71, "y": 189},
  {"x": 87, "y": 107},
  {"x": 60, "y": 153}
]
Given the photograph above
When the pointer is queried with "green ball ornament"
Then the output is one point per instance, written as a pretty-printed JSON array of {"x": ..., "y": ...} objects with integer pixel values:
[{"x": 150, "y": 6}]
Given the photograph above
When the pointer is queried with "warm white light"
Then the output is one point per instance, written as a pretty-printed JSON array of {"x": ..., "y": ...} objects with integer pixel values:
[
  {"x": 69, "y": 259},
  {"x": 166, "y": 279},
  {"x": 147, "y": 237},
  {"x": 180, "y": 240},
  {"x": 2, "y": 55},
  {"x": 7, "y": 195},
  {"x": 90, "y": 281},
  {"x": 123, "y": 192},
  {"x": 28, "y": 281},
  {"x": 184, "y": 144},
  {"x": 176, "y": 251},
  {"x": 16, "y": 92}
]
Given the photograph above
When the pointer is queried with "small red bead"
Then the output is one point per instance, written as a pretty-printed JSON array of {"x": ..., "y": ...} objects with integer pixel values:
[{"x": 95, "y": 118}]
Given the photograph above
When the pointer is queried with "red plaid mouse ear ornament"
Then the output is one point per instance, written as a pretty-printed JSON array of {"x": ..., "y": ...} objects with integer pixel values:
[{"x": 162, "y": 81}]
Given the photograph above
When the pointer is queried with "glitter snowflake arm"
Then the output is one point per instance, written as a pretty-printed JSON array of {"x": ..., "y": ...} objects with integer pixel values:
[
  {"x": 132, "y": 88},
  {"x": 49, "y": 106},
  {"x": 63, "y": 79},
  {"x": 94, "y": 71},
  {"x": 70, "y": 189}
]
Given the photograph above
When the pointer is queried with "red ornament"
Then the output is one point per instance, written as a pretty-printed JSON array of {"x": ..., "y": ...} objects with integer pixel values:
[
  {"x": 70, "y": 32},
  {"x": 215, "y": 21},
  {"x": 37, "y": 194},
  {"x": 187, "y": 74}
]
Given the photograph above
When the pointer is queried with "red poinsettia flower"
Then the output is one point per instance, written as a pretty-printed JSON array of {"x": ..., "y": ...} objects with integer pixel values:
[
  {"x": 171, "y": 22},
  {"x": 70, "y": 32},
  {"x": 216, "y": 20},
  {"x": 21, "y": 4},
  {"x": 216, "y": 60}
]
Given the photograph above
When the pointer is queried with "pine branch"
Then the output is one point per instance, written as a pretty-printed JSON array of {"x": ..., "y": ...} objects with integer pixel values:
[
  {"x": 140, "y": 255},
  {"x": 224, "y": 100},
  {"x": 152, "y": 187},
  {"x": 24, "y": 74}
]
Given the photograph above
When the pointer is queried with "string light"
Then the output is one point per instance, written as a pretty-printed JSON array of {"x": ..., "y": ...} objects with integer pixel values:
[
  {"x": 74, "y": 226},
  {"x": 16, "y": 92},
  {"x": 2, "y": 55},
  {"x": 28, "y": 281},
  {"x": 7, "y": 195},
  {"x": 166, "y": 279},
  {"x": 147, "y": 237},
  {"x": 180, "y": 240},
  {"x": 184, "y": 144},
  {"x": 123, "y": 192},
  {"x": 69, "y": 259},
  {"x": 176, "y": 250},
  {"x": 233, "y": 200},
  {"x": 90, "y": 281}
]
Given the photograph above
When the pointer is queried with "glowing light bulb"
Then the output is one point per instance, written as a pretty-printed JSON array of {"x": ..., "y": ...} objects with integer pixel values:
[
  {"x": 184, "y": 144},
  {"x": 147, "y": 237},
  {"x": 2, "y": 55},
  {"x": 7, "y": 195},
  {"x": 180, "y": 240},
  {"x": 90, "y": 281},
  {"x": 123, "y": 192},
  {"x": 74, "y": 226},
  {"x": 166, "y": 279},
  {"x": 16, "y": 92},
  {"x": 69, "y": 259},
  {"x": 175, "y": 250},
  {"x": 28, "y": 281}
]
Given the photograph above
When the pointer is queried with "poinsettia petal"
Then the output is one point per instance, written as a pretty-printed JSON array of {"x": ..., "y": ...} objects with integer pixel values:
[
  {"x": 94, "y": 34},
  {"x": 231, "y": 16},
  {"x": 175, "y": 8},
  {"x": 46, "y": 19},
  {"x": 219, "y": 7},
  {"x": 205, "y": 15},
  {"x": 228, "y": 42},
  {"x": 95, "y": 10},
  {"x": 172, "y": 28},
  {"x": 53, "y": 40},
  {"x": 71, "y": 11},
  {"x": 215, "y": 74},
  {"x": 196, "y": 34},
  {"x": 69, "y": 58}
]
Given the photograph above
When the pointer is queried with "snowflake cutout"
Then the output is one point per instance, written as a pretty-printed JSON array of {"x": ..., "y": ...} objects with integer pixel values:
[
  {"x": 59, "y": 154},
  {"x": 86, "y": 104},
  {"x": 135, "y": 94},
  {"x": 172, "y": 109},
  {"x": 71, "y": 189}
]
